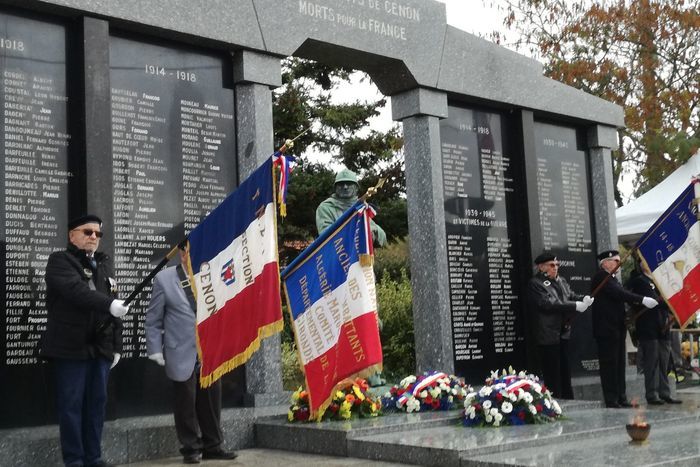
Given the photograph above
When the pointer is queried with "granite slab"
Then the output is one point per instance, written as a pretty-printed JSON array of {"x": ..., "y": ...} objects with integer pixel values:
[{"x": 666, "y": 445}]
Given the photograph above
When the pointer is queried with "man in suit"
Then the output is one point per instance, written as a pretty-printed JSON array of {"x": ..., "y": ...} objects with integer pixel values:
[
  {"x": 82, "y": 339},
  {"x": 553, "y": 305},
  {"x": 609, "y": 327},
  {"x": 170, "y": 341}
]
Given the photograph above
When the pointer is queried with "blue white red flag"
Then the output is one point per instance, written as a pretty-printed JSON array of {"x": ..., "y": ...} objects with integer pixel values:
[
  {"x": 671, "y": 250},
  {"x": 332, "y": 302},
  {"x": 235, "y": 276}
]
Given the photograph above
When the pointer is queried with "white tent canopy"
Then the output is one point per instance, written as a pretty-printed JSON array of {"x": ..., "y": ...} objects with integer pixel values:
[{"x": 635, "y": 218}]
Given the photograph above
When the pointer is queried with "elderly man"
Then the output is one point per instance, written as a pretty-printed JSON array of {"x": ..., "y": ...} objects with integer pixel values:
[
  {"x": 346, "y": 189},
  {"x": 171, "y": 342},
  {"x": 553, "y": 305},
  {"x": 609, "y": 327},
  {"x": 82, "y": 338}
]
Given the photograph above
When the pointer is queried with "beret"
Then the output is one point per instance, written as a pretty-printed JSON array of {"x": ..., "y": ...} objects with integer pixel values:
[
  {"x": 607, "y": 254},
  {"x": 86, "y": 219},
  {"x": 545, "y": 257}
]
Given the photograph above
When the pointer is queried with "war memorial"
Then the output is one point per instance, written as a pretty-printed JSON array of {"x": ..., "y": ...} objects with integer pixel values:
[{"x": 149, "y": 113}]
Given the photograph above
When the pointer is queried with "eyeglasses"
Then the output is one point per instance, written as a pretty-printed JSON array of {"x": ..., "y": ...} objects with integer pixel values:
[
  {"x": 89, "y": 232},
  {"x": 552, "y": 265}
]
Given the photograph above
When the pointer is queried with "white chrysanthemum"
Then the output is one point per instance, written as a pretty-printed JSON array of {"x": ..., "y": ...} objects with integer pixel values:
[
  {"x": 527, "y": 397},
  {"x": 557, "y": 409},
  {"x": 506, "y": 407},
  {"x": 449, "y": 399},
  {"x": 485, "y": 391},
  {"x": 486, "y": 405},
  {"x": 512, "y": 397},
  {"x": 469, "y": 397},
  {"x": 494, "y": 374},
  {"x": 547, "y": 403},
  {"x": 532, "y": 409},
  {"x": 454, "y": 391},
  {"x": 444, "y": 387},
  {"x": 469, "y": 410},
  {"x": 498, "y": 417},
  {"x": 407, "y": 381},
  {"x": 493, "y": 411},
  {"x": 488, "y": 418},
  {"x": 522, "y": 374},
  {"x": 537, "y": 388},
  {"x": 472, "y": 415},
  {"x": 413, "y": 405},
  {"x": 435, "y": 392},
  {"x": 423, "y": 394}
]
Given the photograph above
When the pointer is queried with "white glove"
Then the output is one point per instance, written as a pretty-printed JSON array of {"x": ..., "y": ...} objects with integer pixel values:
[
  {"x": 158, "y": 358},
  {"x": 118, "y": 309},
  {"x": 117, "y": 357},
  {"x": 581, "y": 307},
  {"x": 588, "y": 300},
  {"x": 649, "y": 302}
]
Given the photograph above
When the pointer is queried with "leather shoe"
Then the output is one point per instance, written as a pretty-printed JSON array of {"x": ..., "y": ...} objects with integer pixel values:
[
  {"x": 671, "y": 400},
  {"x": 192, "y": 458},
  {"x": 219, "y": 454},
  {"x": 612, "y": 405},
  {"x": 655, "y": 402},
  {"x": 625, "y": 404}
]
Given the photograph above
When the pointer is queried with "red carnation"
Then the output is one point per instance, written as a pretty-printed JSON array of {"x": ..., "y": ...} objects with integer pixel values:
[
  {"x": 539, "y": 407},
  {"x": 521, "y": 415},
  {"x": 499, "y": 396}
]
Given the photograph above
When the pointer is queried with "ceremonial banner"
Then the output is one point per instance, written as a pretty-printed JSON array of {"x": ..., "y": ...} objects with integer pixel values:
[
  {"x": 235, "y": 276},
  {"x": 332, "y": 302},
  {"x": 671, "y": 250}
]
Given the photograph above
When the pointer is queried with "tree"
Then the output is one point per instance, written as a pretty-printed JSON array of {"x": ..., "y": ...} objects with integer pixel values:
[
  {"x": 641, "y": 54},
  {"x": 304, "y": 101}
]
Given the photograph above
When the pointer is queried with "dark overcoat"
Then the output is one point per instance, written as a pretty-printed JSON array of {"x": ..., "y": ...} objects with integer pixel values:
[{"x": 79, "y": 324}]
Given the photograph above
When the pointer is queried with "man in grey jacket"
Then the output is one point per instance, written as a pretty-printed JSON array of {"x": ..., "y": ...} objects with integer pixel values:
[
  {"x": 553, "y": 304},
  {"x": 170, "y": 341}
]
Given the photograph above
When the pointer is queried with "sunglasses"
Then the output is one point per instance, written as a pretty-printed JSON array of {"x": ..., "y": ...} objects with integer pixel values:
[{"x": 89, "y": 232}]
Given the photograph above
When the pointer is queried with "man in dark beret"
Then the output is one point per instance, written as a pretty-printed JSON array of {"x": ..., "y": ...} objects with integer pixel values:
[
  {"x": 609, "y": 327},
  {"x": 82, "y": 339},
  {"x": 552, "y": 305}
]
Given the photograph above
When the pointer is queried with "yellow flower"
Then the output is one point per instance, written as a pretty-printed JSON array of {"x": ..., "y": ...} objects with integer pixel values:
[
  {"x": 339, "y": 395},
  {"x": 345, "y": 409},
  {"x": 295, "y": 396},
  {"x": 358, "y": 393},
  {"x": 290, "y": 416}
]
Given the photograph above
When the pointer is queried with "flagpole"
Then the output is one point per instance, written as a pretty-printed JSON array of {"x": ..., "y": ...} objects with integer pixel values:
[{"x": 152, "y": 274}]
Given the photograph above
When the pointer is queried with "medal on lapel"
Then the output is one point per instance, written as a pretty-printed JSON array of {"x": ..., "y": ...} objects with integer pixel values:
[{"x": 88, "y": 273}]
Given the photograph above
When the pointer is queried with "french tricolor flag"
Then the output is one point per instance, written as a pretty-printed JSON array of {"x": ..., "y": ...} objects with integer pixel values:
[
  {"x": 671, "y": 249},
  {"x": 332, "y": 301},
  {"x": 235, "y": 276}
]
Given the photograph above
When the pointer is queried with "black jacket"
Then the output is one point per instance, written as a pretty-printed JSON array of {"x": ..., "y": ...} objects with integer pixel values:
[
  {"x": 552, "y": 305},
  {"x": 650, "y": 323},
  {"x": 79, "y": 324},
  {"x": 609, "y": 307}
]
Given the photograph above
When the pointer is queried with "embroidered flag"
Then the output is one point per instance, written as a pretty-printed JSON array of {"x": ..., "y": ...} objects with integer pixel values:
[
  {"x": 671, "y": 250},
  {"x": 235, "y": 276},
  {"x": 332, "y": 302}
]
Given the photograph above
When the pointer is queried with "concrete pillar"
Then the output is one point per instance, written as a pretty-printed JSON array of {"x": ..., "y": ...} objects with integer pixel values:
[
  {"x": 420, "y": 111},
  {"x": 255, "y": 75}
]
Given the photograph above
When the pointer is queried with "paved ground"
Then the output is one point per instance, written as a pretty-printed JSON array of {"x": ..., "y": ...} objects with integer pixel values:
[{"x": 272, "y": 458}]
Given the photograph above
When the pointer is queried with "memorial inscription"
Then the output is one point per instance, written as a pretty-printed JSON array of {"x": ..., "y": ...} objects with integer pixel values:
[
  {"x": 173, "y": 159},
  {"x": 479, "y": 200},
  {"x": 34, "y": 175},
  {"x": 563, "y": 201}
]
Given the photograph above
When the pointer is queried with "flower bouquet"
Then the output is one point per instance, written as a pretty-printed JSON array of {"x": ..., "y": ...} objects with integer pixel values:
[
  {"x": 510, "y": 399},
  {"x": 352, "y": 400},
  {"x": 429, "y": 391}
]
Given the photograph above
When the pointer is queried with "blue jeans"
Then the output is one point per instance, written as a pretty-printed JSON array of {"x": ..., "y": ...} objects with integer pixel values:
[{"x": 81, "y": 396}]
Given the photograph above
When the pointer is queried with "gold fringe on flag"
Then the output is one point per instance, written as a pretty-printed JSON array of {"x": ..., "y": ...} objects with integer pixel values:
[{"x": 366, "y": 260}]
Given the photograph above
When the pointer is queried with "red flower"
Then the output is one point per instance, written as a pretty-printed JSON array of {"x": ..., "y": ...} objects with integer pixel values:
[
  {"x": 334, "y": 407},
  {"x": 539, "y": 407},
  {"x": 429, "y": 399},
  {"x": 499, "y": 397},
  {"x": 521, "y": 415},
  {"x": 400, "y": 392},
  {"x": 436, "y": 403}
]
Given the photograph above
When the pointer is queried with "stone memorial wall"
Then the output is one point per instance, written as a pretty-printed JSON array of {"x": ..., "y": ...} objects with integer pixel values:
[
  {"x": 480, "y": 190},
  {"x": 565, "y": 223}
]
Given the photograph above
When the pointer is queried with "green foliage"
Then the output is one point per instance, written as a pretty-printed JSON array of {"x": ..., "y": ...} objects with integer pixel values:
[
  {"x": 394, "y": 301},
  {"x": 392, "y": 261}
]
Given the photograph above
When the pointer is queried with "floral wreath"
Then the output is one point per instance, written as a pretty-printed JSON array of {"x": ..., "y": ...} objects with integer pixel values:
[
  {"x": 352, "y": 400},
  {"x": 510, "y": 399},
  {"x": 429, "y": 391}
]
